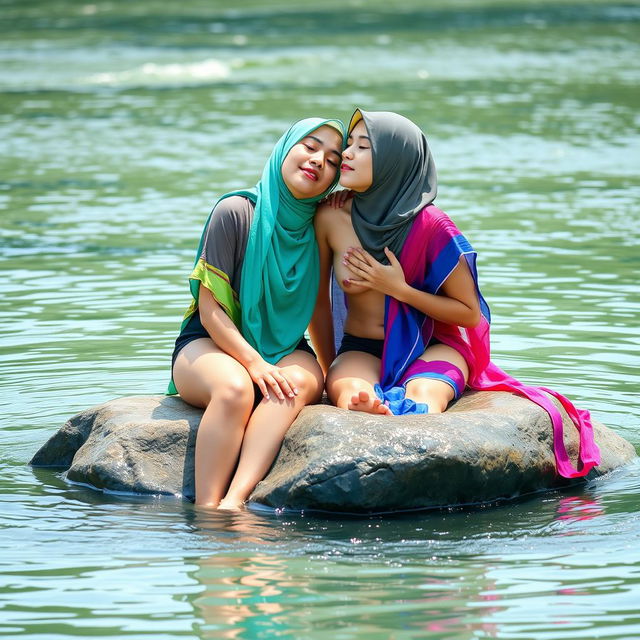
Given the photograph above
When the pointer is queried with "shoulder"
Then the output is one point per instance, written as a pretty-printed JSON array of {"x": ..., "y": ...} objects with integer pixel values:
[
  {"x": 432, "y": 212},
  {"x": 235, "y": 208},
  {"x": 230, "y": 221},
  {"x": 323, "y": 216},
  {"x": 328, "y": 217},
  {"x": 438, "y": 219},
  {"x": 232, "y": 216}
]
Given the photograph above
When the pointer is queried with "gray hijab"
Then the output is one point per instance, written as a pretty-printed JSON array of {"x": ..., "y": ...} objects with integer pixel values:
[{"x": 404, "y": 182}]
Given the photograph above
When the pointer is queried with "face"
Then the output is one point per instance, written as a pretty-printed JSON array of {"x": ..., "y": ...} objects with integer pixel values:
[
  {"x": 311, "y": 165},
  {"x": 356, "y": 171}
]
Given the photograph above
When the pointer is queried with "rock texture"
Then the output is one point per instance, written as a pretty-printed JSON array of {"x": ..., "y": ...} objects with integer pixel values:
[
  {"x": 490, "y": 446},
  {"x": 137, "y": 444}
]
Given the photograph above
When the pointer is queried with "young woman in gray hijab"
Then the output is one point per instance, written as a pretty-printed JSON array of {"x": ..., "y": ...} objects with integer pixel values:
[
  {"x": 388, "y": 168},
  {"x": 417, "y": 327}
]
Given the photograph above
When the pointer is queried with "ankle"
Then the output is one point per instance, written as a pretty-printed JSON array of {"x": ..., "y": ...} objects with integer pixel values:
[{"x": 231, "y": 504}]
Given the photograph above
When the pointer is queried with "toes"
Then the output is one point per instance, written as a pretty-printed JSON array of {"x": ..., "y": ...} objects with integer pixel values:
[
  {"x": 364, "y": 396},
  {"x": 380, "y": 408}
]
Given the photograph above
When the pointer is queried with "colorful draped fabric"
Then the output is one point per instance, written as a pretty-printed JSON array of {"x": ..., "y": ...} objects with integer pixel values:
[{"x": 431, "y": 252}]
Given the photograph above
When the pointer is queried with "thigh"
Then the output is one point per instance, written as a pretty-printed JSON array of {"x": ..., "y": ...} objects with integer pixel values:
[
  {"x": 302, "y": 370},
  {"x": 443, "y": 352},
  {"x": 354, "y": 370},
  {"x": 201, "y": 366}
]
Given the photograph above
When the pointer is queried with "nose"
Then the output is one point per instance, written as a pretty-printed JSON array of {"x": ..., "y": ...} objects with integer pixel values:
[
  {"x": 317, "y": 158},
  {"x": 348, "y": 152}
]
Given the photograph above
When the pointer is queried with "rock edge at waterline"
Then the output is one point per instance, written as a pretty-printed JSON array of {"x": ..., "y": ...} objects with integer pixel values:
[{"x": 489, "y": 446}]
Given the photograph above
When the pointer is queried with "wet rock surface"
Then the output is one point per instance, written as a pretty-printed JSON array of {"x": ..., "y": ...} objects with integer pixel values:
[{"x": 489, "y": 446}]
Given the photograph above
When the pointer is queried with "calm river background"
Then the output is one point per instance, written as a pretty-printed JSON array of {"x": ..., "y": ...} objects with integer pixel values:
[{"x": 120, "y": 124}]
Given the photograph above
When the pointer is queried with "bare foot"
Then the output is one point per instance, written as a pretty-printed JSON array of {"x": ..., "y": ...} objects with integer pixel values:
[
  {"x": 230, "y": 505},
  {"x": 364, "y": 402}
]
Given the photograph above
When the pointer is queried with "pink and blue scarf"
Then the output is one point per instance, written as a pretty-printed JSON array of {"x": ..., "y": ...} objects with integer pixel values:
[
  {"x": 397, "y": 212},
  {"x": 431, "y": 251}
]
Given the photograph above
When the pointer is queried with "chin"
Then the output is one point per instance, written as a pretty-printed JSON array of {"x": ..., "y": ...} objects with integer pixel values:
[
  {"x": 315, "y": 191},
  {"x": 302, "y": 191},
  {"x": 344, "y": 182}
]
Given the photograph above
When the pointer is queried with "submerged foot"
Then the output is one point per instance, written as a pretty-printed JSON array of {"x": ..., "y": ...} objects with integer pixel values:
[
  {"x": 230, "y": 505},
  {"x": 369, "y": 404}
]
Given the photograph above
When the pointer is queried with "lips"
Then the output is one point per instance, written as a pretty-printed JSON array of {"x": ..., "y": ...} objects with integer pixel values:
[
  {"x": 310, "y": 173},
  {"x": 345, "y": 167}
]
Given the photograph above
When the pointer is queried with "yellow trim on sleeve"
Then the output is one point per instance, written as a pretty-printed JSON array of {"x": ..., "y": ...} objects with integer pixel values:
[{"x": 217, "y": 282}]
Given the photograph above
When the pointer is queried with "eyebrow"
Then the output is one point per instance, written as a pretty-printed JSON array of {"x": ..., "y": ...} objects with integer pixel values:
[
  {"x": 360, "y": 137},
  {"x": 322, "y": 143}
]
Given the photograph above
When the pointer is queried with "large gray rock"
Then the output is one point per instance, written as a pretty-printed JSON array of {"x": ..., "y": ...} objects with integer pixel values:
[
  {"x": 489, "y": 446},
  {"x": 140, "y": 444}
]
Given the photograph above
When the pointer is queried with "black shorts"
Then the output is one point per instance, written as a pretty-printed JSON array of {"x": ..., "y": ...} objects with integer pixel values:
[
  {"x": 303, "y": 345},
  {"x": 366, "y": 345},
  {"x": 195, "y": 330}
]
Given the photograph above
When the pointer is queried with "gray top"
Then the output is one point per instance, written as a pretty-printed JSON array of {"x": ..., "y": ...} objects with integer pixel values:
[
  {"x": 224, "y": 246},
  {"x": 225, "y": 240}
]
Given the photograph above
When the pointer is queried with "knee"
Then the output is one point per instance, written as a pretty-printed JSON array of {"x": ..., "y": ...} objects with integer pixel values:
[
  {"x": 308, "y": 384},
  {"x": 437, "y": 404},
  {"x": 235, "y": 395},
  {"x": 435, "y": 394}
]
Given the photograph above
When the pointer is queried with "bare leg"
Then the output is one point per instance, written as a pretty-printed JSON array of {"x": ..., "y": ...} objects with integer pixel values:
[
  {"x": 268, "y": 425},
  {"x": 436, "y": 393},
  {"x": 207, "y": 377},
  {"x": 350, "y": 383}
]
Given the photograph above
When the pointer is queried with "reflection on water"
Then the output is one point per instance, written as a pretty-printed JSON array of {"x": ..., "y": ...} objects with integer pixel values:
[
  {"x": 262, "y": 596},
  {"x": 163, "y": 567},
  {"x": 577, "y": 508},
  {"x": 120, "y": 125},
  {"x": 421, "y": 576}
]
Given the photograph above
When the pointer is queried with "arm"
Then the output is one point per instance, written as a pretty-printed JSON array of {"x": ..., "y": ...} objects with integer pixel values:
[
  {"x": 321, "y": 326},
  {"x": 226, "y": 335},
  {"x": 222, "y": 330},
  {"x": 223, "y": 247},
  {"x": 457, "y": 304}
]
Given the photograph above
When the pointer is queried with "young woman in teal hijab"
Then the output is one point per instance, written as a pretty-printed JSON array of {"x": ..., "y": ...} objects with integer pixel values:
[{"x": 241, "y": 353}]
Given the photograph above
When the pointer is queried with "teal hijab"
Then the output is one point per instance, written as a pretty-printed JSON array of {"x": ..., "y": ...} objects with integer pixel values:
[{"x": 280, "y": 272}]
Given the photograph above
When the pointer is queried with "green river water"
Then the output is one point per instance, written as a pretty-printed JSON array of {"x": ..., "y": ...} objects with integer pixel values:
[{"x": 120, "y": 124}]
